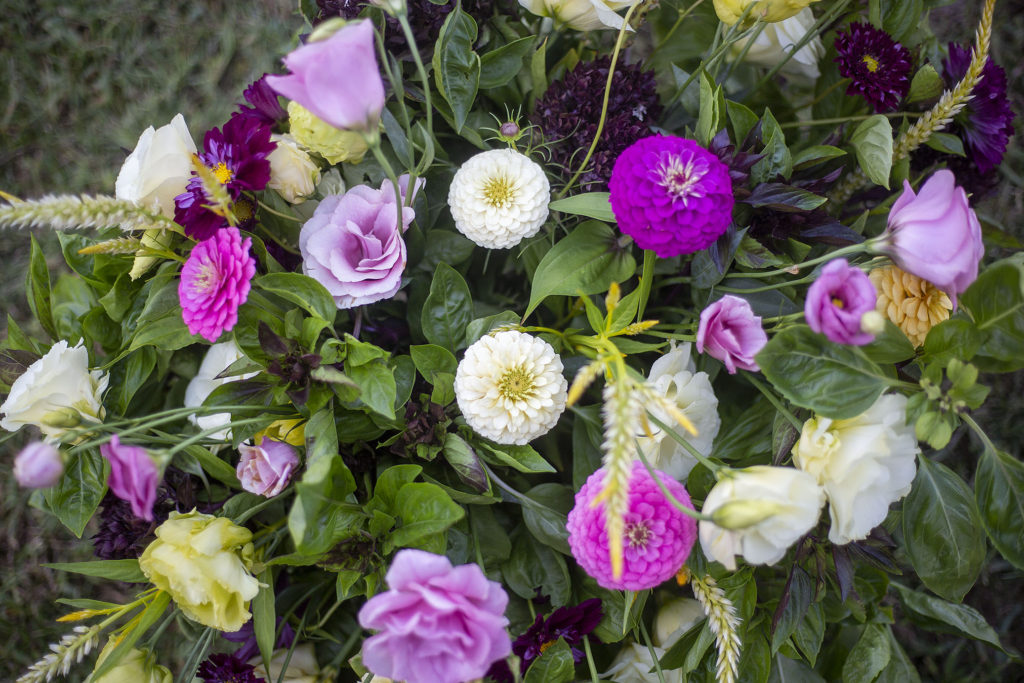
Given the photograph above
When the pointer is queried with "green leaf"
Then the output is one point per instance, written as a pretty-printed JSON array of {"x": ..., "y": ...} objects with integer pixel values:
[
  {"x": 213, "y": 466},
  {"x": 482, "y": 326},
  {"x": 113, "y": 570},
  {"x": 891, "y": 346},
  {"x": 712, "y": 110},
  {"x": 833, "y": 380},
  {"x": 815, "y": 154},
  {"x": 38, "y": 288},
  {"x": 523, "y": 458},
  {"x": 378, "y": 389},
  {"x": 264, "y": 619},
  {"x": 786, "y": 670},
  {"x": 777, "y": 158},
  {"x": 996, "y": 302},
  {"x": 76, "y": 496},
  {"x": 782, "y": 197},
  {"x": 999, "y": 492},
  {"x": 137, "y": 370},
  {"x": 301, "y": 290},
  {"x": 869, "y": 656},
  {"x": 942, "y": 531},
  {"x": 589, "y": 204},
  {"x": 937, "y": 614},
  {"x": 149, "y": 616},
  {"x": 389, "y": 483},
  {"x": 160, "y": 323},
  {"x": 587, "y": 261},
  {"x": 448, "y": 309},
  {"x": 953, "y": 338},
  {"x": 946, "y": 143},
  {"x": 465, "y": 462},
  {"x": 534, "y": 565},
  {"x": 495, "y": 546},
  {"x": 500, "y": 66},
  {"x": 431, "y": 360},
  {"x": 798, "y": 597},
  {"x": 546, "y": 518},
  {"x": 456, "y": 65},
  {"x": 742, "y": 119},
  {"x": 424, "y": 510},
  {"x": 900, "y": 669},
  {"x": 555, "y": 665},
  {"x": 872, "y": 140}
]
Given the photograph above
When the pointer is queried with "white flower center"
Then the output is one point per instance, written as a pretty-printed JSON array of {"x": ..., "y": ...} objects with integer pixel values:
[
  {"x": 516, "y": 383},
  {"x": 637, "y": 534},
  {"x": 680, "y": 178}
]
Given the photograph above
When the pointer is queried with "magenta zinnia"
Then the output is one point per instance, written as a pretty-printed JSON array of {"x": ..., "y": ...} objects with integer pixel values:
[
  {"x": 658, "y": 536},
  {"x": 215, "y": 282},
  {"x": 671, "y": 195},
  {"x": 878, "y": 67}
]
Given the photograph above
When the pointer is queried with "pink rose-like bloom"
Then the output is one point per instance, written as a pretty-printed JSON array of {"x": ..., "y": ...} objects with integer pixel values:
[
  {"x": 935, "y": 234},
  {"x": 38, "y": 466},
  {"x": 337, "y": 79},
  {"x": 657, "y": 540},
  {"x": 351, "y": 245},
  {"x": 731, "y": 333},
  {"x": 837, "y": 300},
  {"x": 437, "y": 623},
  {"x": 133, "y": 476},
  {"x": 215, "y": 281},
  {"x": 266, "y": 469}
]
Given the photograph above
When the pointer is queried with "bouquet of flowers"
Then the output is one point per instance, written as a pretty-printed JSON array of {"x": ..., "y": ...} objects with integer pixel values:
[{"x": 551, "y": 341}]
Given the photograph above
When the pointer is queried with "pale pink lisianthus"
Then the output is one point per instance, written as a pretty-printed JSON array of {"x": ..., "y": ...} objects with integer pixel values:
[
  {"x": 436, "y": 623},
  {"x": 134, "y": 476},
  {"x": 267, "y": 468},
  {"x": 38, "y": 466},
  {"x": 730, "y": 332},
  {"x": 215, "y": 282}
]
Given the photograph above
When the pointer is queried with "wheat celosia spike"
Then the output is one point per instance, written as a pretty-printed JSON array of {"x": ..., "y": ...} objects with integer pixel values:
[
  {"x": 584, "y": 378},
  {"x": 621, "y": 413},
  {"x": 77, "y": 212},
  {"x": 724, "y": 625},
  {"x": 70, "y": 649},
  {"x": 119, "y": 245}
]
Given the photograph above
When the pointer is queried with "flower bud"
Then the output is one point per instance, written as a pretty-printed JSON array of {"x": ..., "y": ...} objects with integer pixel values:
[
  {"x": 292, "y": 173},
  {"x": 65, "y": 418},
  {"x": 510, "y": 130},
  {"x": 872, "y": 323},
  {"x": 742, "y": 514},
  {"x": 38, "y": 466}
]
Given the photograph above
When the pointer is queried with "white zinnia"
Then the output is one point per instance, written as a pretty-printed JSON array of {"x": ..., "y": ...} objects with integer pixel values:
[
  {"x": 764, "y": 510},
  {"x": 675, "y": 376},
  {"x": 498, "y": 198},
  {"x": 582, "y": 15},
  {"x": 776, "y": 40},
  {"x": 864, "y": 463},
  {"x": 218, "y": 359},
  {"x": 55, "y": 393},
  {"x": 510, "y": 387}
]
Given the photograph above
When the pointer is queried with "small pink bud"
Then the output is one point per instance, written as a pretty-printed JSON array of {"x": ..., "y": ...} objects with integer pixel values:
[
  {"x": 509, "y": 129},
  {"x": 38, "y": 466}
]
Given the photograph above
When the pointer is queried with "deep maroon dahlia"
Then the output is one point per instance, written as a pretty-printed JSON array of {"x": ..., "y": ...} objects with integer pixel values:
[
  {"x": 221, "y": 668},
  {"x": 570, "y": 109},
  {"x": 264, "y": 105},
  {"x": 571, "y": 623},
  {"x": 671, "y": 195},
  {"x": 878, "y": 67},
  {"x": 238, "y": 158},
  {"x": 986, "y": 123}
]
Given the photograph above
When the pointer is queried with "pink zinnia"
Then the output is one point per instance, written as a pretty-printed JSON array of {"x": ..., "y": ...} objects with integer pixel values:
[
  {"x": 658, "y": 536},
  {"x": 215, "y": 282}
]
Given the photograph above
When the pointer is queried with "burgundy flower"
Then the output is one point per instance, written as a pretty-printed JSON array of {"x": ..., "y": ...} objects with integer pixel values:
[
  {"x": 570, "y": 623},
  {"x": 265, "y": 106},
  {"x": 221, "y": 668},
  {"x": 986, "y": 123},
  {"x": 878, "y": 67}
]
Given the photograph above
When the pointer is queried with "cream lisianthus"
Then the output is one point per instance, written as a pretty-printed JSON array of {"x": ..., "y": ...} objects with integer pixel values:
[
  {"x": 203, "y": 562},
  {"x": 302, "y": 666},
  {"x": 316, "y": 135},
  {"x": 676, "y": 617},
  {"x": 675, "y": 376},
  {"x": 864, "y": 464},
  {"x": 582, "y": 15},
  {"x": 776, "y": 40},
  {"x": 218, "y": 358},
  {"x": 498, "y": 198},
  {"x": 292, "y": 173},
  {"x": 634, "y": 663},
  {"x": 159, "y": 167},
  {"x": 510, "y": 387},
  {"x": 758, "y": 513},
  {"x": 136, "y": 666},
  {"x": 56, "y": 393},
  {"x": 730, "y": 11}
]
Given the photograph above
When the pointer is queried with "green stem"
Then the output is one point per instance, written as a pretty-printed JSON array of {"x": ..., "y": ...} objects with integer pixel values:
[
  {"x": 701, "y": 458},
  {"x": 774, "y": 400},
  {"x": 586, "y": 639},
  {"x": 791, "y": 270},
  {"x": 212, "y": 430},
  {"x": 688, "y": 511},
  {"x": 373, "y": 142},
  {"x": 650, "y": 648},
  {"x": 646, "y": 277},
  {"x": 765, "y": 288},
  {"x": 675, "y": 27},
  {"x": 403, "y": 19},
  {"x": 278, "y": 213},
  {"x": 846, "y": 119}
]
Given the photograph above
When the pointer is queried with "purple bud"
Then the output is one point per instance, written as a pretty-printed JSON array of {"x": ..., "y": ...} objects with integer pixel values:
[
  {"x": 38, "y": 466},
  {"x": 509, "y": 129}
]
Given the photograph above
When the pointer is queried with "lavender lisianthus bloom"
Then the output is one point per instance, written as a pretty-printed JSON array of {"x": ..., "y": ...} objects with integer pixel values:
[
  {"x": 134, "y": 476},
  {"x": 730, "y": 332},
  {"x": 671, "y": 195},
  {"x": 352, "y": 246},
  {"x": 38, "y": 466},
  {"x": 837, "y": 300},
  {"x": 337, "y": 78},
  {"x": 436, "y": 623},
  {"x": 267, "y": 468},
  {"x": 935, "y": 234}
]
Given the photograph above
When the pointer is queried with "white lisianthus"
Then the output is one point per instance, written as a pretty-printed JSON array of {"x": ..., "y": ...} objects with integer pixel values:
[
  {"x": 302, "y": 666},
  {"x": 864, "y": 464},
  {"x": 675, "y": 376},
  {"x": 56, "y": 393},
  {"x": 633, "y": 664},
  {"x": 676, "y": 617},
  {"x": 510, "y": 387},
  {"x": 582, "y": 15},
  {"x": 776, "y": 40},
  {"x": 292, "y": 173},
  {"x": 218, "y": 358},
  {"x": 758, "y": 513},
  {"x": 498, "y": 198},
  {"x": 159, "y": 168}
]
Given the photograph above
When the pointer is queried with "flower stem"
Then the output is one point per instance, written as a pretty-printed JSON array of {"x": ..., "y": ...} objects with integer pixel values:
[
  {"x": 793, "y": 269},
  {"x": 846, "y": 119},
  {"x": 688, "y": 511},
  {"x": 403, "y": 19},
  {"x": 774, "y": 400}
]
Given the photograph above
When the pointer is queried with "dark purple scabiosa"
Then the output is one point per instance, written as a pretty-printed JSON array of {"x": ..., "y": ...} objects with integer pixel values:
[
  {"x": 878, "y": 67},
  {"x": 264, "y": 105},
  {"x": 570, "y": 109},
  {"x": 221, "y": 668},
  {"x": 986, "y": 123},
  {"x": 570, "y": 623},
  {"x": 237, "y": 156},
  {"x": 671, "y": 195}
]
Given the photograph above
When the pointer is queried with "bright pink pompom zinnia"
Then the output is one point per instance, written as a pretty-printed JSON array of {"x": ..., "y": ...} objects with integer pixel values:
[
  {"x": 437, "y": 623},
  {"x": 134, "y": 476},
  {"x": 215, "y": 282},
  {"x": 658, "y": 536}
]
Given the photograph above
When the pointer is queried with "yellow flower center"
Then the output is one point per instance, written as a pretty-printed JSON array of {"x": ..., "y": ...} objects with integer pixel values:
[
  {"x": 499, "y": 191},
  {"x": 516, "y": 383},
  {"x": 838, "y": 303},
  {"x": 870, "y": 62},
  {"x": 242, "y": 209},
  {"x": 222, "y": 173},
  {"x": 545, "y": 646},
  {"x": 206, "y": 279}
]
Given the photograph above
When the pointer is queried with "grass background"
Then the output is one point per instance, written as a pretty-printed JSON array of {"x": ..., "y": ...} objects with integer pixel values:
[{"x": 80, "y": 80}]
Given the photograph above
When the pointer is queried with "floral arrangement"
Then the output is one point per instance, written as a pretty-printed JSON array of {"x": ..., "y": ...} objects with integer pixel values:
[{"x": 550, "y": 341}]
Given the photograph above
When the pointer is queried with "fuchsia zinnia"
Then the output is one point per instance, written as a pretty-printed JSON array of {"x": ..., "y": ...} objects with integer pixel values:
[{"x": 215, "y": 281}]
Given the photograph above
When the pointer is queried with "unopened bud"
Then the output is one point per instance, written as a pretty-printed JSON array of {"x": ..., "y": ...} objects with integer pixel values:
[
  {"x": 65, "y": 418},
  {"x": 510, "y": 129},
  {"x": 872, "y": 322},
  {"x": 740, "y": 514},
  {"x": 38, "y": 466}
]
